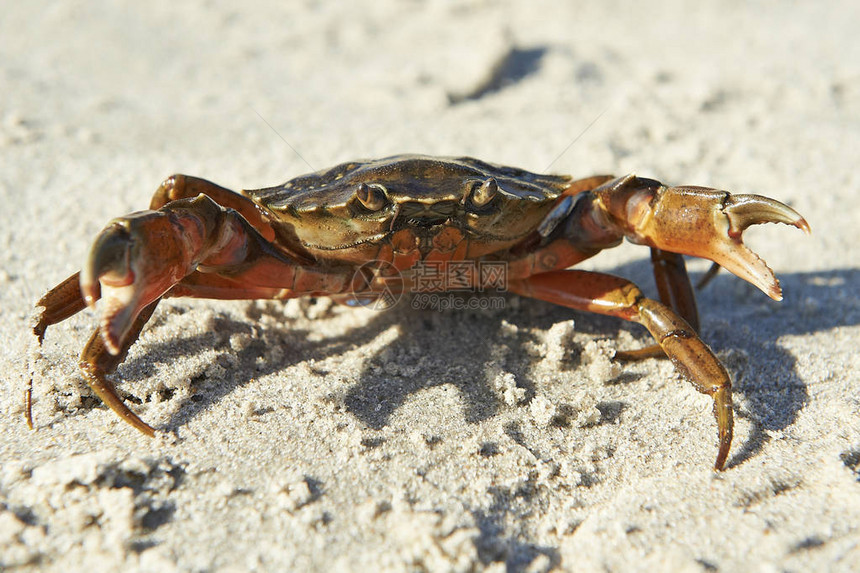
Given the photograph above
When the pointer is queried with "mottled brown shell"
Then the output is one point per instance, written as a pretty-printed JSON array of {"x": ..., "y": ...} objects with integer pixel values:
[{"x": 347, "y": 212}]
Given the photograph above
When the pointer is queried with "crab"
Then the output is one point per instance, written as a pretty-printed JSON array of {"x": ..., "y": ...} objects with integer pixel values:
[{"x": 365, "y": 227}]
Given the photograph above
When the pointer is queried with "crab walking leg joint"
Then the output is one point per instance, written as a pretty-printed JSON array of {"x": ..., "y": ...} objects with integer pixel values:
[{"x": 316, "y": 234}]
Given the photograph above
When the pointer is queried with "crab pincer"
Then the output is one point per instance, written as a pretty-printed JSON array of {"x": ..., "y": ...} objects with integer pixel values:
[
  {"x": 701, "y": 222},
  {"x": 132, "y": 263}
]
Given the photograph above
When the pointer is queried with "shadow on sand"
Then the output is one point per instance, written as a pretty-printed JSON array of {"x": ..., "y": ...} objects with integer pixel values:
[{"x": 732, "y": 318}]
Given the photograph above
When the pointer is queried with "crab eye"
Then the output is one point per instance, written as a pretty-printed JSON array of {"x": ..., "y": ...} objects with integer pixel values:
[
  {"x": 371, "y": 197},
  {"x": 484, "y": 192}
]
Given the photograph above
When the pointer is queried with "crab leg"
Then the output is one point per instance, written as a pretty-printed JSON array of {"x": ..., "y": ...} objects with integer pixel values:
[
  {"x": 609, "y": 295},
  {"x": 64, "y": 301},
  {"x": 58, "y": 304},
  {"x": 97, "y": 362},
  {"x": 676, "y": 292},
  {"x": 674, "y": 286},
  {"x": 180, "y": 186}
]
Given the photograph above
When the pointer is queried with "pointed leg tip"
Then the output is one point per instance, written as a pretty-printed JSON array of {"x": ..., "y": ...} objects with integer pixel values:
[
  {"x": 28, "y": 405},
  {"x": 105, "y": 390},
  {"x": 722, "y": 455},
  {"x": 39, "y": 330},
  {"x": 133, "y": 419}
]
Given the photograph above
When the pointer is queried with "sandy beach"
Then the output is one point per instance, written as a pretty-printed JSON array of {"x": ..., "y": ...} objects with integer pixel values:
[{"x": 311, "y": 436}]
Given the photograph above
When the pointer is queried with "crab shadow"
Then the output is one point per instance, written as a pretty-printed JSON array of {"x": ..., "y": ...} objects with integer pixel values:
[
  {"x": 460, "y": 349},
  {"x": 431, "y": 350},
  {"x": 252, "y": 359},
  {"x": 737, "y": 320}
]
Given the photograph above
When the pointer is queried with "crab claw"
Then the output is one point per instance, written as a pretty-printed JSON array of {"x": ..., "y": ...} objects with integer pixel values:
[
  {"x": 700, "y": 222},
  {"x": 108, "y": 273},
  {"x": 743, "y": 211},
  {"x": 107, "y": 260},
  {"x": 132, "y": 263}
]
